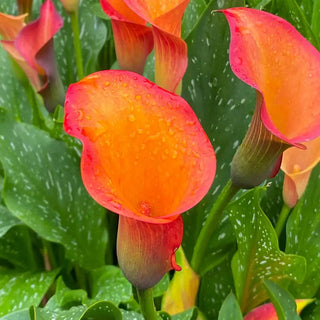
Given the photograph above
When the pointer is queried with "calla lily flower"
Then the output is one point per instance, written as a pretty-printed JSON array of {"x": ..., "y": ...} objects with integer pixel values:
[
  {"x": 268, "y": 312},
  {"x": 146, "y": 157},
  {"x": 165, "y": 19},
  {"x": 270, "y": 55},
  {"x": 31, "y": 46},
  {"x": 297, "y": 165}
]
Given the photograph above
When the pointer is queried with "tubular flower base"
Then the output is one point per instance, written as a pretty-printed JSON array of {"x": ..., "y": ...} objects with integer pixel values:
[
  {"x": 31, "y": 46},
  {"x": 297, "y": 165},
  {"x": 129, "y": 20},
  {"x": 269, "y": 54},
  {"x": 268, "y": 312},
  {"x": 146, "y": 157}
]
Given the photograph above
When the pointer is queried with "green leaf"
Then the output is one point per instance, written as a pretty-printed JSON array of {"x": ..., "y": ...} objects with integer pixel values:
[
  {"x": 191, "y": 16},
  {"x": 19, "y": 315},
  {"x": 258, "y": 256},
  {"x": 21, "y": 290},
  {"x": 66, "y": 298},
  {"x": 283, "y": 302},
  {"x": 130, "y": 315},
  {"x": 161, "y": 287},
  {"x": 303, "y": 236},
  {"x": 214, "y": 288},
  {"x": 109, "y": 283},
  {"x": 230, "y": 309},
  {"x": 223, "y": 104},
  {"x": 102, "y": 311},
  {"x": 190, "y": 314},
  {"x": 16, "y": 248},
  {"x": 7, "y": 220},
  {"x": 43, "y": 188}
]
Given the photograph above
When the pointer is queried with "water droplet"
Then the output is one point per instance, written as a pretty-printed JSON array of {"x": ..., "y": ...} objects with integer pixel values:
[
  {"x": 124, "y": 84},
  {"x": 131, "y": 118},
  {"x": 107, "y": 83},
  {"x": 174, "y": 154},
  {"x": 138, "y": 97},
  {"x": 80, "y": 114},
  {"x": 144, "y": 208}
]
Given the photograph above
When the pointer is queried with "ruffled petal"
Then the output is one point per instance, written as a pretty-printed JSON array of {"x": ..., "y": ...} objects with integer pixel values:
[
  {"x": 10, "y": 26},
  {"x": 136, "y": 138},
  {"x": 269, "y": 54}
]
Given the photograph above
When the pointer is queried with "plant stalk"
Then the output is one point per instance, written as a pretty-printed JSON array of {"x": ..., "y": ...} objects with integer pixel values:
[
  {"x": 147, "y": 305},
  {"x": 282, "y": 219}
]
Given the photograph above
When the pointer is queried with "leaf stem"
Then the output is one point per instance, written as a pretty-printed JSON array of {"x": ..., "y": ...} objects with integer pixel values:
[
  {"x": 211, "y": 224},
  {"x": 76, "y": 42},
  {"x": 282, "y": 219},
  {"x": 147, "y": 305}
]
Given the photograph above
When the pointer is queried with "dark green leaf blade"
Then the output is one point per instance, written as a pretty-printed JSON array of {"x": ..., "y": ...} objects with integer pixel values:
[{"x": 230, "y": 309}]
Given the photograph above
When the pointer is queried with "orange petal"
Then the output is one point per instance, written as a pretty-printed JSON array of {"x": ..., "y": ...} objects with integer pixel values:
[
  {"x": 170, "y": 54},
  {"x": 133, "y": 44},
  {"x": 145, "y": 154},
  {"x": 10, "y": 26},
  {"x": 166, "y": 15},
  {"x": 146, "y": 251},
  {"x": 37, "y": 33},
  {"x": 297, "y": 164},
  {"x": 269, "y": 54},
  {"x": 268, "y": 312}
]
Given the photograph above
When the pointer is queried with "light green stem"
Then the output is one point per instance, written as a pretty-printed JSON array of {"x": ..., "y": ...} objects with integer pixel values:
[
  {"x": 76, "y": 42},
  {"x": 211, "y": 224},
  {"x": 147, "y": 305},
  {"x": 282, "y": 219}
]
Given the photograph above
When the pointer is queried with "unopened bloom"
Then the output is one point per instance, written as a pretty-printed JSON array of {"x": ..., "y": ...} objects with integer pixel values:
[
  {"x": 146, "y": 157},
  {"x": 270, "y": 55}
]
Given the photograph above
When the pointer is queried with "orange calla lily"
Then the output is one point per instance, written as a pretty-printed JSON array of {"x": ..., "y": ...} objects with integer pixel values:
[
  {"x": 297, "y": 165},
  {"x": 270, "y": 55},
  {"x": 31, "y": 46},
  {"x": 268, "y": 312},
  {"x": 145, "y": 156},
  {"x": 165, "y": 18}
]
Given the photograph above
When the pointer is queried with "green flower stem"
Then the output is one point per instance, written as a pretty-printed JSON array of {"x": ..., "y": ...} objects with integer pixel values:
[
  {"x": 282, "y": 219},
  {"x": 76, "y": 42},
  {"x": 147, "y": 305},
  {"x": 211, "y": 224}
]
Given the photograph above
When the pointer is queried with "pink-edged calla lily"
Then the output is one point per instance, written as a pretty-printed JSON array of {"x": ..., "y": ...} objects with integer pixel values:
[
  {"x": 136, "y": 138},
  {"x": 270, "y": 55},
  {"x": 165, "y": 18},
  {"x": 31, "y": 46},
  {"x": 268, "y": 312},
  {"x": 297, "y": 165}
]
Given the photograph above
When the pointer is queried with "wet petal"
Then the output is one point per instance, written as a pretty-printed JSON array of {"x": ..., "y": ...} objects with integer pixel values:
[
  {"x": 136, "y": 138},
  {"x": 269, "y": 54},
  {"x": 146, "y": 251}
]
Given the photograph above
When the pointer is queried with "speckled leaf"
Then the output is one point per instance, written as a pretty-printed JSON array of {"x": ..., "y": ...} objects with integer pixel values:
[
  {"x": 66, "y": 298},
  {"x": 130, "y": 315},
  {"x": 21, "y": 290},
  {"x": 7, "y": 220},
  {"x": 16, "y": 248},
  {"x": 102, "y": 310},
  {"x": 214, "y": 288},
  {"x": 69, "y": 314},
  {"x": 43, "y": 188},
  {"x": 258, "y": 256},
  {"x": 109, "y": 283},
  {"x": 303, "y": 236},
  {"x": 18, "y": 315},
  {"x": 161, "y": 287},
  {"x": 190, "y": 314},
  {"x": 223, "y": 104},
  {"x": 230, "y": 309},
  {"x": 191, "y": 16},
  {"x": 283, "y": 302}
]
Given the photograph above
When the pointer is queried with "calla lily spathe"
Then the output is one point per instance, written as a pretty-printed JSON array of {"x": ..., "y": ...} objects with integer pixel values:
[
  {"x": 270, "y": 55},
  {"x": 146, "y": 157}
]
